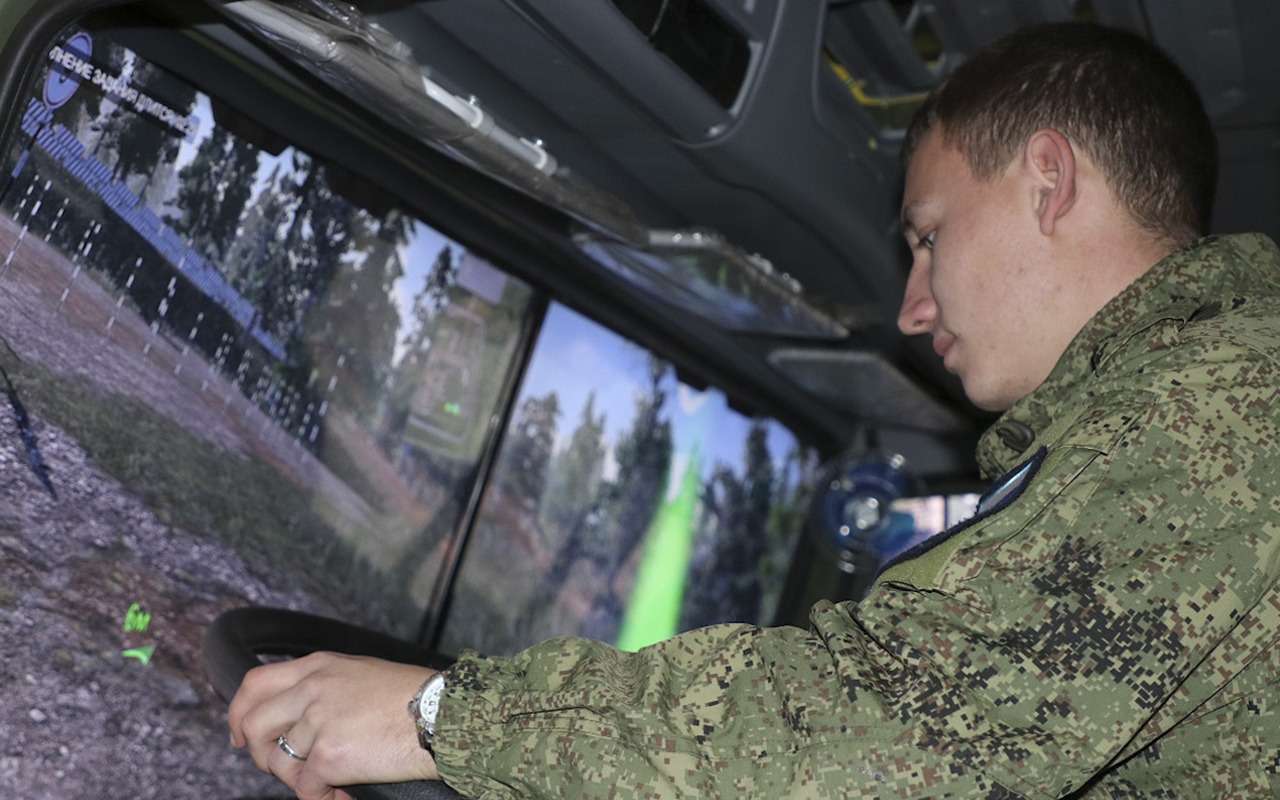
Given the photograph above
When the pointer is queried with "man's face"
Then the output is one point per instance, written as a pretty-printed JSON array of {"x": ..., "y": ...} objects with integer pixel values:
[{"x": 980, "y": 283}]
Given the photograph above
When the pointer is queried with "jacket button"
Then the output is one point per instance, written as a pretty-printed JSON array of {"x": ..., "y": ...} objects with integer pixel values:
[{"x": 1015, "y": 435}]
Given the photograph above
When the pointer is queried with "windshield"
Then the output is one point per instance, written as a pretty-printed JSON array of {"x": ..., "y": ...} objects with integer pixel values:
[
  {"x": 235, "y": 374},
  {"x": 635, "y": 505}
]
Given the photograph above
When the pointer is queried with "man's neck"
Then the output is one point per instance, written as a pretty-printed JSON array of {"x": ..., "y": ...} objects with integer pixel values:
[{"x": 1112, "y": 258}]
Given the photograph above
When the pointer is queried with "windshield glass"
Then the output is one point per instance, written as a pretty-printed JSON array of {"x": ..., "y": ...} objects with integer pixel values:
[
  {"x": 234, "y": 374},
  {"x": 634, "y": 505}
]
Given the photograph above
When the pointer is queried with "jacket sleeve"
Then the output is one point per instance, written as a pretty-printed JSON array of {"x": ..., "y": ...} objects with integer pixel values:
[{"x": 1115, "y": 596}]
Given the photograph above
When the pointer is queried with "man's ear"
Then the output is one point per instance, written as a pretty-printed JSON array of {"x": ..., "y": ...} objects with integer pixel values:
[{"x": 1051, "y": 162}]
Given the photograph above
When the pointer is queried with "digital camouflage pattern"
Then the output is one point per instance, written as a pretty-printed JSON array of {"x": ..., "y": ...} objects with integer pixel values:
[{"x": 1112, "y": 631}]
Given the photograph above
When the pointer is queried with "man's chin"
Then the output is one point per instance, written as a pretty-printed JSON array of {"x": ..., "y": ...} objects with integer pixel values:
[{"x": 984, "y": 396}]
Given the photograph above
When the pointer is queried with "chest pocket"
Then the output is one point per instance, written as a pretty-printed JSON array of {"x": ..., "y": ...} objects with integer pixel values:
[
  {"x": 1030, "y": 531},
  {"x": 1025, "y": 516}
]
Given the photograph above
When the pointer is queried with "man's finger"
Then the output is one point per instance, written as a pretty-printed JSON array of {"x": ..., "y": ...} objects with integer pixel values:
[
  {"x": 315, "y": 782},
  {"x": 300, "y": 738},
  {"x": 274, "y": 716},
  {"x": 266, "y": 681}
]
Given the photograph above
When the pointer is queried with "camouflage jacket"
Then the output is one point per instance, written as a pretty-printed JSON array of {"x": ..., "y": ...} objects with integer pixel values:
[{"x": 1106, "y": 624}]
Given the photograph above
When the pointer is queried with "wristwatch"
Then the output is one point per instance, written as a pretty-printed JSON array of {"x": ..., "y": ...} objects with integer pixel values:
[{"x": 424, "y": 707}]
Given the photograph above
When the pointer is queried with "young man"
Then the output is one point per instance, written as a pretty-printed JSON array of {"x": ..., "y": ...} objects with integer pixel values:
[{"x": 1106, "y": 624}]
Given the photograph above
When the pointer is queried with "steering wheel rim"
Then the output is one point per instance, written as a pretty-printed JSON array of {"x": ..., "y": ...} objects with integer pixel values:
[{"x": 234, "y": 640}]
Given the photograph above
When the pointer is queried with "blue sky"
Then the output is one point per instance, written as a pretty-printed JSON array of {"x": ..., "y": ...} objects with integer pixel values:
[
  {"x": 416, "y": 258},
  {"x": 576, "y": 355}
]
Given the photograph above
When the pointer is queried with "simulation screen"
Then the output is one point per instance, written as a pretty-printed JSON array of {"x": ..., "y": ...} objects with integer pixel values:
[
  {"x": 626, "y": 506},
  {"x": 236, "y": 373}
]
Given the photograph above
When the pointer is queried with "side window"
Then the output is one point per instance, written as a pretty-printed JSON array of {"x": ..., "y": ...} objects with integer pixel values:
[
  {"x": 234, "y": 374},
  {"x": 625, "y": 505}
]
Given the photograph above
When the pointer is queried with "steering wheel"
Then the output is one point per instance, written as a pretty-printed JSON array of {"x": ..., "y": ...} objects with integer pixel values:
[{"x": 236, "y": 638}]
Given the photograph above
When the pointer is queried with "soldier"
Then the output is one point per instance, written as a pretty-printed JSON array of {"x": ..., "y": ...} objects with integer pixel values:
[{"x": 1106, "y": 624}]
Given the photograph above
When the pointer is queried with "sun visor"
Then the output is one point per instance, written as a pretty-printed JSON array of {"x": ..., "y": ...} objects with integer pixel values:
[{"x": 701, "y": 273}]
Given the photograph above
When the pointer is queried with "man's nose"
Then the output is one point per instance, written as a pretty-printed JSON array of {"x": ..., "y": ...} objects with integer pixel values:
[{"x": 919, "y": 310}]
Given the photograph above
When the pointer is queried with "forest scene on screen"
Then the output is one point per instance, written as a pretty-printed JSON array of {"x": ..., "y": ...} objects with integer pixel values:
[
  {"x": 635, "y": 506},
  {"x": 234, "y": 374}
]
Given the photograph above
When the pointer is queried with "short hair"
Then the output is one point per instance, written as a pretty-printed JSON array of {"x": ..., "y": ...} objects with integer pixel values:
[{"x": 1112, "y": 93}]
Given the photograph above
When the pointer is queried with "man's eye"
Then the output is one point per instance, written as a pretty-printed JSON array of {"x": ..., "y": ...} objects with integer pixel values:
[{"x": 927, "y": 241}]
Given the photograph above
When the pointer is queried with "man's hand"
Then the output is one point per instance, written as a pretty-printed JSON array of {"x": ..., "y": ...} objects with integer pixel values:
[{"x": 345, "y": 715}]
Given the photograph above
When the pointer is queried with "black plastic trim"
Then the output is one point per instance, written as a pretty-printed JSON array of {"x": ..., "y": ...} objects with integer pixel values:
[{"x": 442, "y": 592}]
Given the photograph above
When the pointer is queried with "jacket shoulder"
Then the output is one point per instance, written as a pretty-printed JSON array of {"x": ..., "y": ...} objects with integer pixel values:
[{"x": 1224, "y": 339}]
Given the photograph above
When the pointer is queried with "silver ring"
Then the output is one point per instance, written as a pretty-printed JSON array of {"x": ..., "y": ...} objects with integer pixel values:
[{"x": 284, "y": 745}]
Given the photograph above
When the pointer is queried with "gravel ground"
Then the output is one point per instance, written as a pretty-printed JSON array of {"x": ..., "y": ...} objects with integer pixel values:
[{"x": 79, "y": 720}]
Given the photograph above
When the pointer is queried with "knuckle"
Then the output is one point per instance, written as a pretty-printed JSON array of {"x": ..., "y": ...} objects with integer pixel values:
[
  {"x": 311, "y": 689},
  {"x": 312, "y": 716},
  {"x": 254, "y": 677},
  {"x": 311, "y": 787},
  {"x": 323, "y": 657},
  {"x": 328, "y": 752},
  {"x": 252, "y": 724}
]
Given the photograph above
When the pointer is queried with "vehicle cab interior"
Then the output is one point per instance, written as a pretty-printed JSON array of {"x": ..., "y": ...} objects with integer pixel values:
[{"x": 409, "y": 327}]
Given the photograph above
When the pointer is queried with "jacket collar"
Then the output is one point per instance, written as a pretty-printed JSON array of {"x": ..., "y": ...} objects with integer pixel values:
[{"x": 1188, "y": 283}]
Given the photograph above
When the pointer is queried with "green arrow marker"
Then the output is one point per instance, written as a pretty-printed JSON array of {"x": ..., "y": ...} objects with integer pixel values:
[
  {"x": 136, "y": 620},
  {"x": 143, "y": 654},
  {"x": 653, "y": 612}
]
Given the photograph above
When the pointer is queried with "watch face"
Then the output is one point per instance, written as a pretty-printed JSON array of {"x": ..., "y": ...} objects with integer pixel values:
[{"x": 429, "y": 703}]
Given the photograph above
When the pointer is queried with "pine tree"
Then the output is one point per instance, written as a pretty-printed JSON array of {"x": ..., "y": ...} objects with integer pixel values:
[
  {"x": 359, "y": 310},
  {"x": 213, "y": 191},
  {"x": 256, "y": 247},
  {"x": 143, "y": 142},
  {"x": 323, "y": 228},
  {"x": 315, "y": 229},
  {"x": 725, "y": 577},
  {"x": 644, "y": 457},
  {"x": 575, "y": 473},
  {"x": 408, "y": 373},
  {"x": 236, "y": 185},
  {"x": 527, "y": 454},
  {"x": 284, "y": 282},
  {"x": 793, "y": 491},
  {"x": 617, "y": 518},
  {"x": 429, "y": 300}
]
